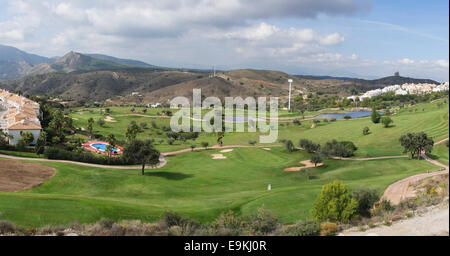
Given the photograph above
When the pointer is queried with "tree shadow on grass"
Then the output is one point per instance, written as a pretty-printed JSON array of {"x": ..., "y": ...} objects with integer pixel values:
[{"x": 169, "y": 175}]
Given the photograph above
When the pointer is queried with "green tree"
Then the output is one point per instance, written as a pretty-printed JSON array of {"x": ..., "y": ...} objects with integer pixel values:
[
  {"x": 193, "y": 147},
  {"x": 316, "y": 159},
  {"x": 334, "y": 204},
  {"x": 366, "y": 198},
  {"x": 366, "y": 131},
  {"x": 40, "y": 143},
  {"x": 416, "y": 143},
  {"x": 90, "y": 126},
  {"x": 142, "y": 152},
  {"x": 289, "y": 146},
  {"x": 386, "y": 121},
  {"x": 132, "y": 131},
  {"x": 375, "y": 116},
  {"x": 112, "y": 143},
  {"x": 27, "y": 138}
]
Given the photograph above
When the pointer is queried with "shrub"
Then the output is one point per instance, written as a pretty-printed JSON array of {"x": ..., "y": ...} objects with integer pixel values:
[
  {"x": 347, "y": 117},
  {"x": 333, "y": 119},
  {"x": 205, "y": 144},
  {"x": 289, "y": 146},
  {"x": 309, "y": 146},
  {"x": 366, "y": 131},
  {"x": 303, "y": 228},
  {"x": 297, "y": 122},
  {"x": 228, "y": 224},
  {"x": 387, "y": 206},
  {"x": 340, "y": 149},
  {"x": 7, "y": 227},
  {"x": 334, "y": 204},
  {"x": 386, "y": 121},
  {"x": 106, "y": 223},
  {"x": 366, "y": 198},
  {"x": 252, "y": 142},
  {"x": 328, "y": 229},
  {"x": 85, "y": 157},
  {"x": 263, "y": 222}
]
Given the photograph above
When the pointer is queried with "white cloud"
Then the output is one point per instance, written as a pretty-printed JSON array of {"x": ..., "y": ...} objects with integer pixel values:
[{"x": 406, "y": 61}]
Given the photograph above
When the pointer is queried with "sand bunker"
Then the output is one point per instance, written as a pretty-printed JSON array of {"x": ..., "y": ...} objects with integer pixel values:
[
  {"x": 218, "y": 156},
  {"x": 307, "y": 164},
  {"x": 110, "y": 119},
  {"x": 226, "y": 150},
  {"x": 17, "y": 176}
]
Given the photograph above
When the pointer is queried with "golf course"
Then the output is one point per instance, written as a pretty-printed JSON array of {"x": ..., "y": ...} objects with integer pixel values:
[{"x": 194, "y": 184}]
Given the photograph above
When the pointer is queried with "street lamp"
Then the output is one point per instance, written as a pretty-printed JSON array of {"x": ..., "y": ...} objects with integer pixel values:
[{"x": 290, "y": 85}]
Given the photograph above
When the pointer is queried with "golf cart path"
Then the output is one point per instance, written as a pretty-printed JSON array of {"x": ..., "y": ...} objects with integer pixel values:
[{"x": 399, "y": 190}]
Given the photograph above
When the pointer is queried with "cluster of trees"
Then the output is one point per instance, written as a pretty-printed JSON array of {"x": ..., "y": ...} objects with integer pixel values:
[{"x": 338, "y": 148}]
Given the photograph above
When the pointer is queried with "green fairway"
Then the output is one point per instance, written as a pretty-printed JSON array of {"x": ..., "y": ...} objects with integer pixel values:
[
  {"x": 440, "y": 153},
  {"x": 380, "y": 142},
  {"x": 194, "y": 185}
]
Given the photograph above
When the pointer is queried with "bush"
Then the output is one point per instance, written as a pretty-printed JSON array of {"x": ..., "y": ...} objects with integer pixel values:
[
  {"x": 85, "y": 157},
  {"x": 263, "y": 222},
  {"x": 347, "y": 117},
  {"x": 228, "y": 224},
  {"x": 289, "y": 146},
  {"x": 7, "y": 227},
  {"x": 334, "y": 204},
  {"x": 366, "y": 131},
  {"x": 366, "y": 198},
  {"x": 106, "y": 223},
  {"x": 297, "y": 122},
  {"x": 340, "y": 149},
  {"x": 386, "y": 121},
  {"x": 252, "y": 142},
  {"x": 328, "y": 229},
  {"x": 303, "y": 228},
  {"x": 309, "y": 146}
]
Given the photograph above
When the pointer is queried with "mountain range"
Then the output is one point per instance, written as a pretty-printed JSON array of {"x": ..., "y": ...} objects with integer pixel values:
[{"x": 97, "y": 77}]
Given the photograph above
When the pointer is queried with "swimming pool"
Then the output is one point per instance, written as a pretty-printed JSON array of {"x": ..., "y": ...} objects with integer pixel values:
[{"x": 102, "y": 147}]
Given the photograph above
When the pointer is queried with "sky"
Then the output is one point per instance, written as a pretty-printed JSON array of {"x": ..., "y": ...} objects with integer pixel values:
[{"x": 356, "y": 38}]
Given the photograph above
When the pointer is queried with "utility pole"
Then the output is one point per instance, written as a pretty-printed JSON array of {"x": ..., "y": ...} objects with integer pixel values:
[{"x": 290, "y": 85}]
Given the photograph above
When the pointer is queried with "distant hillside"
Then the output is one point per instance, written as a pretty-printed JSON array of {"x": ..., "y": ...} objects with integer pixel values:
[
  {"x": 309, "y": 77},
  {"x": 97, "y": 85},
  {"x": 15, "y": 63},
  {"x": 72, "y": 62},
  {"x": 120, "y": 61}
]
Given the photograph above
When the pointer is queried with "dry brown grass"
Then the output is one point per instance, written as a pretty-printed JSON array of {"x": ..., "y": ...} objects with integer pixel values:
[{"x": 17, "y": 176}]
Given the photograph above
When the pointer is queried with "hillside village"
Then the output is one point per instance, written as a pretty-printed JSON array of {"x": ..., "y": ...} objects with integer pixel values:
[
  {"x": 18, "y": 115},
  {"x": 404, "y": 89}
]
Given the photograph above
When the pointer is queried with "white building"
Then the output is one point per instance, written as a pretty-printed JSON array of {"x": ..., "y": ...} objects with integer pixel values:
[{"x": 18, "y": 115}]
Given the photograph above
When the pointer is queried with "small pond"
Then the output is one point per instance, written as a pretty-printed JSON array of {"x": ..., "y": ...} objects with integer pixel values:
[{"x": 353, "y": 114}]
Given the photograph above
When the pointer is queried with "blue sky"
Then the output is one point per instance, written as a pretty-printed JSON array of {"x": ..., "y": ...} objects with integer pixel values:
[{"x": 364, "y": 38}]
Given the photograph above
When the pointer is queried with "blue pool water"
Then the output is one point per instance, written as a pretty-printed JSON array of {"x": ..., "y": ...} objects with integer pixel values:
[
  {"x": 102, "y": 146},
  {"x": 353, "y": 114}
]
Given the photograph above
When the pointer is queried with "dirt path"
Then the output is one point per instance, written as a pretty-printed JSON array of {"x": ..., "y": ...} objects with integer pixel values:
[
  {"x": 162, "y": 162},
  {"x": 399, "y": 190},
  {"x": 367, "y": 158}
]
